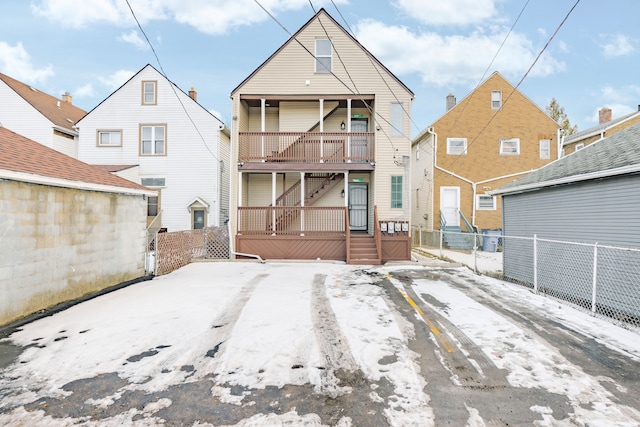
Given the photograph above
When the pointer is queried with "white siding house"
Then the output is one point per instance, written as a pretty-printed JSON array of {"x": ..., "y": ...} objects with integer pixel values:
[
  {"x": 150, "y": 131},
  {"x": 38, "y": 116}
]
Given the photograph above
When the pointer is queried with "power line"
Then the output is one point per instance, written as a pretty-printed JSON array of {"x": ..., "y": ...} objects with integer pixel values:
[
  {"x": 522, "y": 79},
  {"x": 173, "y": 87}
]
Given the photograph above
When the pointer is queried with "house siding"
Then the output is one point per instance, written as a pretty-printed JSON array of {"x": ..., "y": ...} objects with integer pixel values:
[
  {"x": 20, "y": 116},
  {"x": 191, "y": 165},
  {"x": 603, "y": 211},
  {"x": 474, "y": 119},
  {"x": 66, "y": 243}
]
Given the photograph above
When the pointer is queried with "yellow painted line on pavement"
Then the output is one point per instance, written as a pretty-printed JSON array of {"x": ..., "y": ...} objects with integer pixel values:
[{"x": 442, "y": 339}]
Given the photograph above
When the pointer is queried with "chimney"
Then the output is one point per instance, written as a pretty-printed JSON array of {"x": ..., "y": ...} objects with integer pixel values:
[
  {"x": 193, "y": 94},
  {"x": 451, "y": 101},
  {"x": 604, "y": 115},
  {"x": 66, "y": 97}
]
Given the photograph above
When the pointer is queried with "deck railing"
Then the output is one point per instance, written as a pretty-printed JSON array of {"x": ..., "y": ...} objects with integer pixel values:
[
  {"x": 314, "y": 147},
  {"x": 291, "y": 220}
]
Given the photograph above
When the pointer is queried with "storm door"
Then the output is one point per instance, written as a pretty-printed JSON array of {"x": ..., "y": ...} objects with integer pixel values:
[
  {"x": 359, "y": 149},
  {"x": 358, "y": 206}
]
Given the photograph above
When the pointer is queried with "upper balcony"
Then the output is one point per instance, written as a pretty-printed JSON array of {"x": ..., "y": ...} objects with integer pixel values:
[{"x": 313, "y": 150}]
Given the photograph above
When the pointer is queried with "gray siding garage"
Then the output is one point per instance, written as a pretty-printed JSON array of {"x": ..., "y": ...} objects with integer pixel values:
[{"x": 590, "y": 198}]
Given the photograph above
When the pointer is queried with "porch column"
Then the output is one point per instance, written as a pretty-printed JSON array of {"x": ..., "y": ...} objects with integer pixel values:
[
  {"x": 348, "y": 131},
  {"x": 263, "y": 126},
  {"x": 239, "y": 219},
  {"x": 274, "y": 176},
  {"x": 302, "y": 193},
  {"x": 321, "y": 130},
  {"x": 346, "y": 189}
]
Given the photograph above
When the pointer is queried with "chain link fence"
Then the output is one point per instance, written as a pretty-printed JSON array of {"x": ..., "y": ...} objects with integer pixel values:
[
  {"x": 169, "y": 251},
  {"x": 602, "y": 279}
]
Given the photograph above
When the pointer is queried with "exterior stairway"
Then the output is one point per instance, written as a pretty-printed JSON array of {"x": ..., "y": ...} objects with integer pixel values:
[{"x": 363, "y": 250}]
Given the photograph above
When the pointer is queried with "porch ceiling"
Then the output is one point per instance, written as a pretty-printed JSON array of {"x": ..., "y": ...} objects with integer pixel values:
[
  {"x": 274, "y": 100},
  {"x": 305, "y": 167}
]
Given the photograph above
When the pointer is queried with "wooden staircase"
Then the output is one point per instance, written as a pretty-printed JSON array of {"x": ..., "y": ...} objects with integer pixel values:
[{"x": 363, "y": 250}]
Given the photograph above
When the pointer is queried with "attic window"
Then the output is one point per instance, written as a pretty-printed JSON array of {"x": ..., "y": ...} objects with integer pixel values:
[
  {"x": 323, "y": 56},
  {"x": 496, "y": 99},
  {"x": 149, "y": 93}
]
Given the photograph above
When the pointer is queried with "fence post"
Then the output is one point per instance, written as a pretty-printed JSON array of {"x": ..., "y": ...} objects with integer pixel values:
[
  {"x": 475, "y": 253},
  {"x": 441, "y": 242},
  {"x": 535, "y": 264},
  {"x": 595, "y": 275}
]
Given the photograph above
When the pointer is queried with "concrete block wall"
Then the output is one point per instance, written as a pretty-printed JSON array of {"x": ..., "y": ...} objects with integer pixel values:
[{"x": 58, "y": 244}]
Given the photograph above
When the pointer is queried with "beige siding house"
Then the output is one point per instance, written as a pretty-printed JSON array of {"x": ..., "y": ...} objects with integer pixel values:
[{"x": 320, "y": 152}]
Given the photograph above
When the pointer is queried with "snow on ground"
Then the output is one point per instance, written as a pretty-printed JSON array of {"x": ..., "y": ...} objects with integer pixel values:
[
  {"x": 178, "y": 317},
  {"x": 530, "y": 361}
]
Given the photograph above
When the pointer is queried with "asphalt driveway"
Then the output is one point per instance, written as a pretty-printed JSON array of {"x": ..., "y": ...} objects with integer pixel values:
[{"x": 249, "y": 344}]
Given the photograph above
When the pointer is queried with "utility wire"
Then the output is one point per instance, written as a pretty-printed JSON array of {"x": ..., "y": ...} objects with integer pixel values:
[
  {"x": 491, "y": 63},
  {"x": 173, "y": 86},
  {"x": 522, "y": 79}
]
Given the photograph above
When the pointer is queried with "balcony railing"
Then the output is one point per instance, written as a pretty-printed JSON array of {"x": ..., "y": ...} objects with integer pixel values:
[
  {"x": 291, "y": 220},
  {"x": 305, "y": 147}
]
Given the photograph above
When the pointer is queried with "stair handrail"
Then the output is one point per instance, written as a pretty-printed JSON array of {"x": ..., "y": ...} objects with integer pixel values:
[
  {"x": 443, "y": 222},
  {"x": 377, "y": 234},
  {"x": 470, "y": 228}
]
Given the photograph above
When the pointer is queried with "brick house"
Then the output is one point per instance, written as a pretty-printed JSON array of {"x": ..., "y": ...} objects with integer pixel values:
[
  {"x": 606, "y": 127},
  {"x": 491, "y": 137}
]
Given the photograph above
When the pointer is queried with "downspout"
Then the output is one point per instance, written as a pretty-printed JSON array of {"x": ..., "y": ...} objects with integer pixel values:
[
  {"x": 473, "y": 184},
  {"x": 239, "y": 253}
]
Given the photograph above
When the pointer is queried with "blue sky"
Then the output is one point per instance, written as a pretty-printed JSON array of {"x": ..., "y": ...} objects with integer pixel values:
[{"x": 90, "y": 47}]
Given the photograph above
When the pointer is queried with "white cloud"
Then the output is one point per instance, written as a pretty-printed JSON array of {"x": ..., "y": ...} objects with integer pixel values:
[
  {"x": 449, "y": 12},
  {"x": 210, "y": 17},
  {"x": 117, "y": 79},
  {"x": 16, "y": 62},
  {"x": 74, "y": 14},
  {"x": 616, "y": 45},
  {"x": 85, "y": 91},
  {"x": 456, "y": 59},
  {"x": 134, "y": 39}
]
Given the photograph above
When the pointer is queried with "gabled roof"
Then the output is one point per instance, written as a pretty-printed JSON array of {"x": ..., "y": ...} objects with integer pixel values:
[
  {"x": 493, "y": 75},
  {"x": 615, "y": 155},
  {"x": 62, "y": 114},
  {"x": 595, "y": 130},
  {"x": 293, "y": 39},
  {"x": 21, "y": 157},
  {"x": 168, "y": 81}
]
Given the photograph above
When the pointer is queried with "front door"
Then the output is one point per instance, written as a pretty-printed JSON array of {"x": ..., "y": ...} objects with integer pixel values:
[
  {"x": 449, "y": 205},
  {"x": 358, "y": 206}
]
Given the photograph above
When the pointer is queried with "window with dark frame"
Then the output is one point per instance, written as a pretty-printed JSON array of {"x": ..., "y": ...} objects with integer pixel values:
[{"x": 396, "y": 192}]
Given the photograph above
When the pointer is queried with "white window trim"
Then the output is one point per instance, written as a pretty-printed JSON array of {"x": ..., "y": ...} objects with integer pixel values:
[
  {"x": 480, "y": 207},
  {"x": 449, "y": 151},
  {"x": 496, "y": 96},
  {"x": 502, "y": 146},
  {"x": 153, "y": 145},
  {"x": 546, "y": 153},
  {"x": 323, "y": 70},
  {"x": 109, "y": 131},
  {"x": 402, "y": 184}
]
